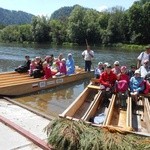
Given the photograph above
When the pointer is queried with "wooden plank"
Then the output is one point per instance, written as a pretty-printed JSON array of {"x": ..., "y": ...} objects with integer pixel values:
[
  {"x": 122, "y": 118},
  {"x": 129, "y": 113},
  {"x": 15, "y": 87},
  {"x": 91, "y": 112},
  {"x": 94, "y": 80},
  {"x": 71, "y": 110},
  {"x": 110, "y": 110},
  {"x": 94, "y": 87}
]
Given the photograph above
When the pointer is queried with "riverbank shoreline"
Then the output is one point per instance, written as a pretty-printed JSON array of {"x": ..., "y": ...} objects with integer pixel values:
[{"x": 23, "y": 128}]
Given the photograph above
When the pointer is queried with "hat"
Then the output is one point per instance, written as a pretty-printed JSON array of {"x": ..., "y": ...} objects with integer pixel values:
[
  {"x": 147, "y": 47},
  {"x": 123, "y": 67},
  {"x": 37, "y": 58},
  {"x": 47, "y": 57},
  {"x": 63, "y": 59},
  {"x": 116, "y": 63},
  {"x": 137, "y": 72},
  {"x": 108, "y": 65},
  {"x": 100, "y": 63},
  {"x": 69, "y": 54},
  {"x": 146, "y": 61}
]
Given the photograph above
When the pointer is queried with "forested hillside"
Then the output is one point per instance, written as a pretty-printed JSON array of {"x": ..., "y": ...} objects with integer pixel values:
[
  {"x": 8, "y": 17},
  {"x": 72, "y": 25},
  {"x": 62, "y": 13}
]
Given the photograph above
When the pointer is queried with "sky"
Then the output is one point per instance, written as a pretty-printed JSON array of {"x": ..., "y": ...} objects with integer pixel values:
[{"x": 47, "y": 7}]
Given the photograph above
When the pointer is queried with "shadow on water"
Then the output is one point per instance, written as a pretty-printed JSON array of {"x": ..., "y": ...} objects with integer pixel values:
[{"x": 54, "y": 101}]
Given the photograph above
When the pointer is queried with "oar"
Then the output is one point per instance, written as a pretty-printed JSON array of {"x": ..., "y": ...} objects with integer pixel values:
[{"x": 87, "y": 46}]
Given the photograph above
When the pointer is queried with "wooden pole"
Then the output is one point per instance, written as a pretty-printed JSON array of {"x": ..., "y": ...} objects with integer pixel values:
[
  {"x": 87, "y": 46},
  {"x": 86, "y": 42}
]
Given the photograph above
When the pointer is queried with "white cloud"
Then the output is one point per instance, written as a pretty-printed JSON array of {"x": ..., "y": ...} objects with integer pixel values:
[{"x": 102, "y": 8}]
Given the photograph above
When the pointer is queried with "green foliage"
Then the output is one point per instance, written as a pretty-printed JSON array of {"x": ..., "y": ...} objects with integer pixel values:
[
  {"x": 9, "y": 17},
  {"x": 58, "y": 32},
  {"x": 40, "y": 29},
  {"x": 139, "y": 23},
  {"x": 62, "y": 14},
  {"x": 14, "y": 33},
  {"x": 69, "y": 25},
  {"x": 66, "y": 134}
]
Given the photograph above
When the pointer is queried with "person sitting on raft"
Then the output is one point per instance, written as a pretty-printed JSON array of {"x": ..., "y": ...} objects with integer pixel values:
[
  {"x": 32, "y": 67},
  {"x": 99, "y": 70},
  {"x": 38, "y": 72},
  {"x": 46, "y": 71},
  {"x": 107, "y": 81},
  {"x": 61, "y": 67},
  {"x": 70, "y": 64},
  {"x": 122, "y": 86},
  {"x": 25, "y": 67},
  {"x": 136, "y": 85}
]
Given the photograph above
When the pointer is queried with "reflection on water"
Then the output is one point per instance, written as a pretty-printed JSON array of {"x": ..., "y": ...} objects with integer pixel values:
[{"x": 54, "y": 101}]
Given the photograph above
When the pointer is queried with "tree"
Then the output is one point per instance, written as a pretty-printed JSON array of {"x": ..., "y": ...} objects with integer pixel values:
[
  {"x": 115, "y": 26},
  {"x": 76, "y": 26},
  {"x": 92, "y": 30},
  {"x": 58, "y": 32},
  {"x": 25, "y": 33},
  {"x": 40, "y": 29},
  {"x": 10, "y": 34}
]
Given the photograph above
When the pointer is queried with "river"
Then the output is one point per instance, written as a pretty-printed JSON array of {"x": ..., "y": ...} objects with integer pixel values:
[{"x": 55, "y": 101}]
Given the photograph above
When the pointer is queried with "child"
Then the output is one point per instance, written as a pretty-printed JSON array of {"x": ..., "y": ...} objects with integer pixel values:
[
  {"x": 62, "y": 68},
  {"x": 122, "y": 86},
  {"x": 47, "y": 71},
  {"x": 99, "y": 70},
  {"x": 32, "y": 67}
]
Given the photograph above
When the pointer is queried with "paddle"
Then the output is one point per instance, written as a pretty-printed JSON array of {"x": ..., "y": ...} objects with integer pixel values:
[{"x": 87, "y": 46}]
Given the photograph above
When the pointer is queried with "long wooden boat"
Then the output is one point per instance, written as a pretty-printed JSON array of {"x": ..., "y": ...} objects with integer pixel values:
[
  {"x": 90, "y": 104},
  {"x": 14, "y": 84}
]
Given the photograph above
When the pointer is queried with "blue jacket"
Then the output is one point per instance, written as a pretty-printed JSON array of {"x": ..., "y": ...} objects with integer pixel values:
[
  {"x": 70, "y": 65},
  {"x": 136, "y": 83}
]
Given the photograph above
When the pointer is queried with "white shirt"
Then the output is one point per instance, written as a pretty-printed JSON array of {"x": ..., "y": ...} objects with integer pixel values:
[
  {"x": 143, "y": 56},
  {"x": 88, "y": 55},
  {"x": 144, "y": 71}
]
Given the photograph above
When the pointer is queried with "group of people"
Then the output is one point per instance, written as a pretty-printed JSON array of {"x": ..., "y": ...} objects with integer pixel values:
[
  {"x": 125, "y": 81},
  {"x": 112, "y": 79},
  {"x": 48, "y": 67}
]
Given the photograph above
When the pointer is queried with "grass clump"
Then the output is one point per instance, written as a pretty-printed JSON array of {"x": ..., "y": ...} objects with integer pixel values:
[{"x": 64, "y": 134}]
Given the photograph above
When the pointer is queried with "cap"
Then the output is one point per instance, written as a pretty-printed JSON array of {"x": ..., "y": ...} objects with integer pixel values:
[
  {"x": 137, "y": 72},
  {"x": 100, "y": 63},
  {"x": 116, "y": 63},
  {"x": 63, "y": 59},
  {"x": 69, "y": 54},
  {"x": 147, "y": 47},
  {"x": 37, "y": 58},
  {"x": 123, "y": 67},
  {"x": 108, "y": 65},
  {"x": 47, "y": 57},
  {"x": 146, "y": 61}
]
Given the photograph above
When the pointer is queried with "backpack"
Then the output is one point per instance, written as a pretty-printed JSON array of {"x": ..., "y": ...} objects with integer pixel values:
[{"x": 122, "y": 86}]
